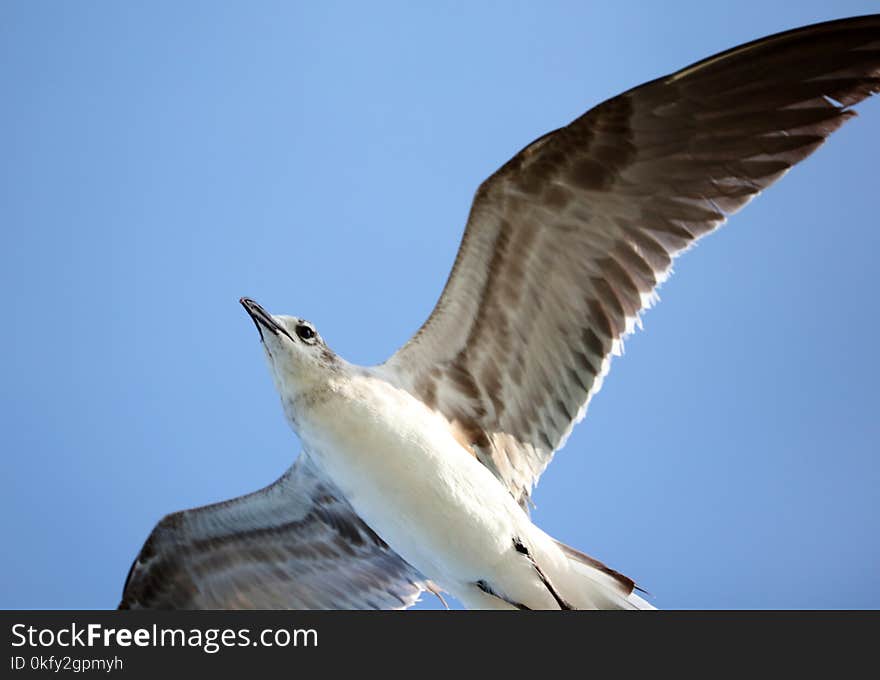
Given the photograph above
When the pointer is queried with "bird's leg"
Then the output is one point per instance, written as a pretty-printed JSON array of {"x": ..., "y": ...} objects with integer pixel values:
[
  {"x": 486, "y": 588},
  {"x": 521, "y": 548}
]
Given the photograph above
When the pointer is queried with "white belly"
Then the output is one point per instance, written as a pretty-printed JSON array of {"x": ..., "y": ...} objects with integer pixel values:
[{"x": 405, "y": 474}]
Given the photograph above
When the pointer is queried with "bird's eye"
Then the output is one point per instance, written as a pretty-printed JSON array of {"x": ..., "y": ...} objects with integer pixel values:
[{"x": 305, "y": 333}]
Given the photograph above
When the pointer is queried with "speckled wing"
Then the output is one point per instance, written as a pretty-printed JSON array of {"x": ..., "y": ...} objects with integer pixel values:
[
  {"x": 567, "y": 242},
  {"x": 297, "y": 544}
]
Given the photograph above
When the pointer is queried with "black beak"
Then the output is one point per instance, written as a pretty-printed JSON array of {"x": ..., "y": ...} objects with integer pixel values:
[{"x": 262, "y": 319}]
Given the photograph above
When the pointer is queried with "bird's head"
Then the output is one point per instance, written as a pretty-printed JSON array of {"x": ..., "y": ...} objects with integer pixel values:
[{"x": 297, "y": 355}]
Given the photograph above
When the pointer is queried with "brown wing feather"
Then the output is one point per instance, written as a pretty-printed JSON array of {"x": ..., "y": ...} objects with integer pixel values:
[
  {"x": 566, "y": 243},
  {"x": 294, "y": 545}
]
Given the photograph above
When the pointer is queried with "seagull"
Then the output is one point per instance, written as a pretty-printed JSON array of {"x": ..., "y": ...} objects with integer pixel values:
[{"x": 416, "y": 474}]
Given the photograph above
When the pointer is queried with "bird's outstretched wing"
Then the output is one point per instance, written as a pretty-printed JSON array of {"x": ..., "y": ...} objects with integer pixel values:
[
  {"x": 566, "y": 243},
  {"x": 297, "y": 544}
]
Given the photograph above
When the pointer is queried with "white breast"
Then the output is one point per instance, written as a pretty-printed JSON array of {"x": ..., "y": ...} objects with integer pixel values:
[{"x": 407, "y": 476}]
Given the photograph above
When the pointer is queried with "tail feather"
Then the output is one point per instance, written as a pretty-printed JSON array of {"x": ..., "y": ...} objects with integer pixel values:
[{"x": 590, "y": 584}]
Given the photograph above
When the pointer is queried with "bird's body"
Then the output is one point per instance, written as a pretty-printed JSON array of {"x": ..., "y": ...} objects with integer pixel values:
[
  {"x": 407, "y": 475},
  {"x": 421, "y": 470}
]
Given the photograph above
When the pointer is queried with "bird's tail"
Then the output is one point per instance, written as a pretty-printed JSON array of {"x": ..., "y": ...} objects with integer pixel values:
[{"x": 589, "y": 584}]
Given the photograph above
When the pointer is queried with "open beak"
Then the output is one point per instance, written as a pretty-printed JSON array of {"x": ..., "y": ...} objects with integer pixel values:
[{"x": 262, "y": 319}]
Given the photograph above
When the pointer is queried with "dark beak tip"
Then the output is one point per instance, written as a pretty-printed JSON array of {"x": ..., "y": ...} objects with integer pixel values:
[{"x": 261, "y": 318}]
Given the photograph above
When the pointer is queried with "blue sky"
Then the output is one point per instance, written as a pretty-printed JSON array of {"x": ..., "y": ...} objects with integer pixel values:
[{"x": 163, "y": 159}]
